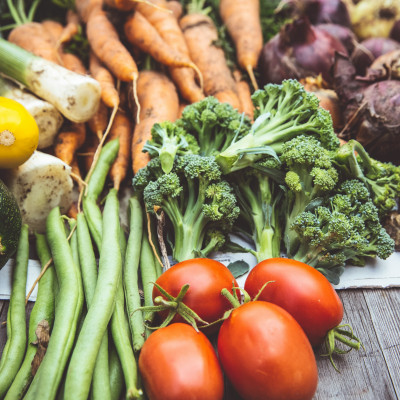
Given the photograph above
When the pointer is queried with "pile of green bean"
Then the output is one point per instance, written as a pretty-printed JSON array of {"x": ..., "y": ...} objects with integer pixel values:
[{"x": 87, "y": 300}]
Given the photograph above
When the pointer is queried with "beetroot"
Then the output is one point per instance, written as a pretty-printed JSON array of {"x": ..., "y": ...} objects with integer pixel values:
[
  {"x": 371, "y": 109},
  {"x": 298, "y": 51}
]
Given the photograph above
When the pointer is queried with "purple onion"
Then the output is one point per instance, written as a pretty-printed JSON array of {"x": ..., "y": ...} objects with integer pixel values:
[{"x": 327, "y": 11}]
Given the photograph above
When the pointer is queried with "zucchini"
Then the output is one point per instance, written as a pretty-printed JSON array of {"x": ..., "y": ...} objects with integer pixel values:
[{"x": 10, "y": 224}]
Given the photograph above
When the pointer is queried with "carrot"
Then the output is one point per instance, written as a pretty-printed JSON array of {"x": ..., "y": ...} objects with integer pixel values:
[
  {"x": 141, "y": 33},
  {"x": 109, "y": 93},
  {"x": 126, "y": 5},
  {"x": 175, "y": 7},
  {"x": 85, "y": 8},
  {"x": 69, "y": 140},
  {"x": 87, "y": 151},
  {"x": 182, "y": 106},
  {"x": 244, "y": 93},
  {"x": 122, "y": 129},
  {"x": 35, "y": 38},
  {"x": 200, "y": 34},
  {"x": 242, "y": 19},
  {"x": 168, "y": 28},
  {"x": 54, "y": 28},
  {"x": 106, "y": 44},
  {"x": 98, "y": 123},
  {"x": 159, "y": 102},
  {"x": 71, "y": 29},
  {"x": 73, "y": 63}
]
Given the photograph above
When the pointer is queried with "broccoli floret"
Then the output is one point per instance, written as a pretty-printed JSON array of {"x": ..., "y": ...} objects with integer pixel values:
[
  {"x": 260, "y": 195},
  {"x": 168, "y": 140},
  {"x": 344, "y": 229},
  {"x": 310, "y": 175},
  {"x": 382, "y": 179},
  {"x": 199, "y": 204},
  {"x": 215, "y": 125},
  {"x": 282, "y": 112}
]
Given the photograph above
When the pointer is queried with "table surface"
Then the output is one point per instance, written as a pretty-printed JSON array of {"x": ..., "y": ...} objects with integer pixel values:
[{"x": 370, "y": 374}]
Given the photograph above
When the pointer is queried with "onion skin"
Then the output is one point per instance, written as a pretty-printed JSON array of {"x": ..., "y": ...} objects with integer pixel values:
[
  {"x": 371, "y": 110},
  {"x": 369, "y": 50},
  {"x": 298, "y": 51}
]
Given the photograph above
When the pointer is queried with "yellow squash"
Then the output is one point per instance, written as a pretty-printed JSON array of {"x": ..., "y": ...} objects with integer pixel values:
[{"x": 19, "y": 133}]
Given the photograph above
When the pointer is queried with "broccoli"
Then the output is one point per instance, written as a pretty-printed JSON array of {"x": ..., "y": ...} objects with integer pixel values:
[
  {"x": 282, "y": 112},
  {"x": 167, "y": 140},
  {"x": 345, "y": 228},
  {"x": 215, "y": 125},
  {"x": 310, "y": 176},
  {"x": 199, "y": 204},
  {"x": 382, "y": 179},
  {"x": 259, "y": 193}
]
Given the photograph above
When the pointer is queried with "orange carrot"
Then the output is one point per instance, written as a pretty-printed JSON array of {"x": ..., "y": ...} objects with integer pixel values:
[
  {"x": 122, "y": 129},
  {"x": 85, "y": 8},
  {"x": 72, "y": 27},
  {"x": 69, "y": 140},
  {"x": 182, "y": 106},
  {"x": 141, "y": 33},
  {"x": 36, "y": 39},
  {"x": 99, "y": 122},
  {"x": 88, "y": 150},
  {"x": 242, "y": 19},
  {"x": 159, "y": 102},
  {"x": 244, "y": 93},
  {"x": 201, "y": 34},
  {"x": 109, "y": 93},
  {"x": 168, "y": 28},
  {"x": 106, "y": 44},
  {"x": 176, "y": 8}
]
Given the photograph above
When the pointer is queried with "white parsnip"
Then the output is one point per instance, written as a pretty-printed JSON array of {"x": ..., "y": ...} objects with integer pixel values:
[{"x": 40, "y": 184}]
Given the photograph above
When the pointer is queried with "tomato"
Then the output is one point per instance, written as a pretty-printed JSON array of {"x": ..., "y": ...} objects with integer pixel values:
[
  {"x": 178, "y": 363},
  {"x": 266, "y": 355},
  {"x": 302, "y": 291},
  {"x": 206, "y": 279}
]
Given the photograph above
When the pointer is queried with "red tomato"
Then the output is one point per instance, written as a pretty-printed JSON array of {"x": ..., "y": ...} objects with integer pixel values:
[
  {"x": 178, "y": 363},
  {"x": 206, "y": 279},
  {"x": 302, "y": 291},
  {"x": 266, "y": 355}
]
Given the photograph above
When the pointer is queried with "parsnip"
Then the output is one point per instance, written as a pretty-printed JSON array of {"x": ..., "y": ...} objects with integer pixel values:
[{"x": 40, "y": 184}]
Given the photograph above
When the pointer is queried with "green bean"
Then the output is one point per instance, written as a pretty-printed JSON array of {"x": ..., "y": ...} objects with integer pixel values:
[
  {"x": 149, "y": 275},
  {"x": 130, "y": 273},
  {"x": 117, "y": 383},
  {"x": 83, "y": 359},
  {"x": 43, "y": 310},
  {"x": 97, "y": 180},
  {"x": 68, "y": 309},
  {"x": 14, "y": 351},
  {"x": 95, "y": 187},
  {"x": 121, "y": 336},
  {"x": 100, "y": 382}
]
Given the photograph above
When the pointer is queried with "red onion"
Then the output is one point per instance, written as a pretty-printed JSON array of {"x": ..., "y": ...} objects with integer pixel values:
[
  {"x": 299, "y": 50},
  {"x": 370, "y": 49},
  {"x": 371, "y": 111},
  {"x": 327, "y": 11}
]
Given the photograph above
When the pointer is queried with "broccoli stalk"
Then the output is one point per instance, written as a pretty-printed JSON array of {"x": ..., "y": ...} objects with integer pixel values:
[
  {"x": 259, "y": 196},
  {"x": 199, "y": 204},
  {"x": 382, "y": 179},
  {"x": 282, "y": 112},
  {"x": 345, "y": 228},
  {"x": 310, "y": 176}
]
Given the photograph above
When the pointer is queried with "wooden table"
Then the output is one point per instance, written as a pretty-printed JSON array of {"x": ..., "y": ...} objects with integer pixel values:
[{"x": 370, "y": 374}]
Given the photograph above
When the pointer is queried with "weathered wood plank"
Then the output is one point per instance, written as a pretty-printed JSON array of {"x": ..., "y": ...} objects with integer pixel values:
[
  {"x": 364, "y": 373},
  {"x": 384, "y": 306}
]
